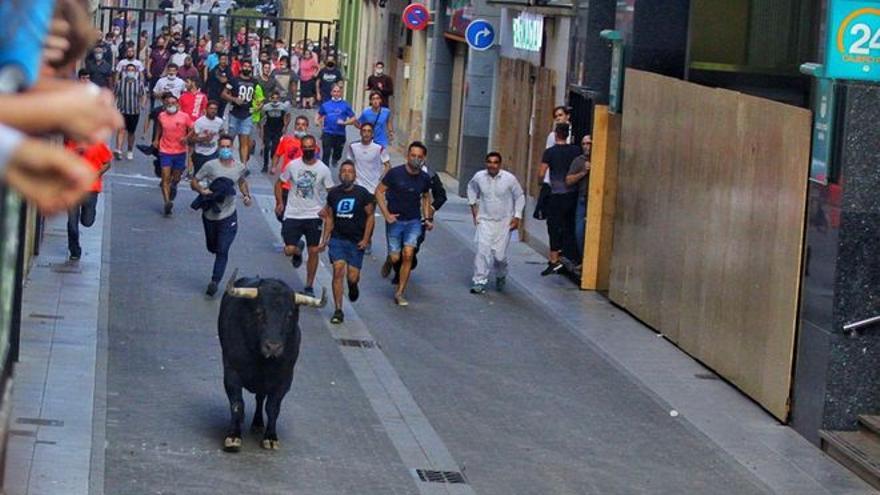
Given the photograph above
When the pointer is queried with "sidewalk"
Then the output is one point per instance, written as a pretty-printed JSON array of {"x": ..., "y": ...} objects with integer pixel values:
[{"x": 51, "y": 436}]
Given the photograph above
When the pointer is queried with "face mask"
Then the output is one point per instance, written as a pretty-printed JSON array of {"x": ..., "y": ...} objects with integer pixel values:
[
  {"x": 346, "y": 183},
  {"x": 416, "y": 163},
  {"x": 99, "y": 56},
  {"x": 337, "y": 98},
  {"x": 225, "y": 154},
  {"x": 181, "y": 49},
  {"x": 308, "y": 155},
  {"x": 299, "y": 134},
  {"x": 330, "y": 65},
  {"x": 379, "y": 72},
  {"x": 172, "y": 109},
  {"x": 245, "y": 72},
  {"x": 172, "y": 76},
  {"x": 131, "y": 75}
]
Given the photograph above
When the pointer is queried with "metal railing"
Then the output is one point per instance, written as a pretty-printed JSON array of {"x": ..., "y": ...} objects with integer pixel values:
[{"x": 323, "y": 33}]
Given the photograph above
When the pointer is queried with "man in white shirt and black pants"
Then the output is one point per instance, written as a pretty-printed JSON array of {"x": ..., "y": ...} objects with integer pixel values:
[{"x": 497, "y": 201}]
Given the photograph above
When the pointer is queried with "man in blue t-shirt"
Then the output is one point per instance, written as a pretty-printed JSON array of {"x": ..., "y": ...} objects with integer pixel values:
[
  {"x": 404, "y": 198},
  {"x": 333, "y": 116}
]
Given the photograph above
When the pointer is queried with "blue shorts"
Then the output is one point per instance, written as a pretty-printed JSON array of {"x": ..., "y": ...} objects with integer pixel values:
[
  {"x": 403, "y": 233},
  {"x": 240, "y": 127},
  {"x": 347, "y": 251},
  {"x": 176, "y": 161}
]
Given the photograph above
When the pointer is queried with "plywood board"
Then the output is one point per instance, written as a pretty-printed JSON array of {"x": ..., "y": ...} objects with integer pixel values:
[{"x": 709, "y": 225}]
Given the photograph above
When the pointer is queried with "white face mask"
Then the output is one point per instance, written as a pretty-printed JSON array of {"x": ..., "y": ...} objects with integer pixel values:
[{"x": 379, "y": 72}]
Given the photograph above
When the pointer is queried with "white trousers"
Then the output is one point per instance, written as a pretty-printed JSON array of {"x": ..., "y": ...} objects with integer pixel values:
[{"x": 493, "y": 241}]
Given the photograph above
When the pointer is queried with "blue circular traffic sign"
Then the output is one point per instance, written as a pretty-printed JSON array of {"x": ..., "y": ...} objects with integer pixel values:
[
  {"x": 480, "y": 34},
  {"x": 416, "y": 17}
]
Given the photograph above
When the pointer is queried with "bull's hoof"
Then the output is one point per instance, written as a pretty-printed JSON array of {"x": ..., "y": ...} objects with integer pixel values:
[
  {"x": 271, "y": 444},
  {"x": 232, "y": 444}
]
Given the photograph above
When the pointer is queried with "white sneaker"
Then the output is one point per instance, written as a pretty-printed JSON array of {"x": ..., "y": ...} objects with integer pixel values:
[{"x": 129, "y": 156}]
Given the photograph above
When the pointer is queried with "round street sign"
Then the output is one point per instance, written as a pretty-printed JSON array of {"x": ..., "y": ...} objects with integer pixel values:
[
  {"x": 416, "y": 17},
  {"x": 480, "y": 34}
]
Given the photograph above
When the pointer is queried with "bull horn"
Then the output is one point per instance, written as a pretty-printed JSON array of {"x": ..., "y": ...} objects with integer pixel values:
[
  {"x": 302, "y": 299},
  {"x": 243, "y": 292}
]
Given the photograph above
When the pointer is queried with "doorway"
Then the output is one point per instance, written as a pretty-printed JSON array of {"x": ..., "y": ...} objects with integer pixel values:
[{"x": 456, "y": 108}]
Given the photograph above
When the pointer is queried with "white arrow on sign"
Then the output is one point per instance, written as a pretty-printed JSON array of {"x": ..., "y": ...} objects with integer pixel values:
[{"x": 484, "y": 33}]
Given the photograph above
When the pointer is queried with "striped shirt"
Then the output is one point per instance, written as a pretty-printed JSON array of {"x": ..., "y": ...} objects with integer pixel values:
[{"x": 129, "y": 92}]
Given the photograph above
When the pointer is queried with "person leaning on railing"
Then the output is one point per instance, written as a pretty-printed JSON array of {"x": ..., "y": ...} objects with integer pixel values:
[{"x": 41, "y": 52}]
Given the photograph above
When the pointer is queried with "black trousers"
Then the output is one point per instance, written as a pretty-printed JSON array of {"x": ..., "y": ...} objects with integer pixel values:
[
  {"x": 270, "y": 143},
  {"x": 219, "y": 235},
  {"x": 332, "y": 148},
  {"x": 83, "y": 214},
  {"x": 561, "y": 209}
]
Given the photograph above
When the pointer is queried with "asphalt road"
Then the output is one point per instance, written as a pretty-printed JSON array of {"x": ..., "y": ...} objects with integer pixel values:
[{"x": 495, "y": 385}]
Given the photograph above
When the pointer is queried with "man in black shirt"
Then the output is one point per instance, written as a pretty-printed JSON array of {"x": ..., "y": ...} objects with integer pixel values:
[
  {"x": 349, "y": 228},
  {"x": 240, "y": 92},
  {"x": 404, "y": 198},
  {"x": 382, "y": 83},
  {"x": 99, "y": 68},
  {"x": 217, "y": 79},
  {"x": 562, "y": 202},
  {"x": 329, "y": 76}
]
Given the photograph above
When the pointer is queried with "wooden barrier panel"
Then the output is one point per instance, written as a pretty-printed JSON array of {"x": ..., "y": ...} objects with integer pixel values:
[
  {"x": 709, "y": 226},
  {"x": 601, "y": 201}
]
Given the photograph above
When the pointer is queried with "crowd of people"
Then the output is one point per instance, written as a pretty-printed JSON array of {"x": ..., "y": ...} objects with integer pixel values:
[{"x": 212, "y": 102}]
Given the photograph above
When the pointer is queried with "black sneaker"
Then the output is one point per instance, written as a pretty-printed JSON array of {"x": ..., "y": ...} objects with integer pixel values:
[
  {"x": 353, "y": 292},
  {"x": 173, "y": 193},
  {"x": 75, "y": 257},
  {"x": 212, "y": 289},
  {"x": 168, "y": 207},
  {"x": 338, "y": 317},
  {"x": 551, "y": 269},
  {"x": 297, "y": 259},
  {"x": 309, "y": 291}
]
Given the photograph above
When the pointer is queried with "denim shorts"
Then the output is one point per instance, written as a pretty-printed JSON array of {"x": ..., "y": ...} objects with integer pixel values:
[
  {"x": 176, "y": 161},
  {"x": 240, "y": 127},
  {"x": 403, "y": 233},
  {"x": 347, "y": 251}
]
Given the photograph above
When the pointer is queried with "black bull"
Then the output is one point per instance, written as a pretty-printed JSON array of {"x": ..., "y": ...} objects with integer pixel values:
[{"x": 260, "y": 339}]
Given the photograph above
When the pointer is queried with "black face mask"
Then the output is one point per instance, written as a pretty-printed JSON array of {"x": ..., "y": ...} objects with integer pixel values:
[
  {"x": 245, "y": 72},
  {"x": 308, "y": 155}
]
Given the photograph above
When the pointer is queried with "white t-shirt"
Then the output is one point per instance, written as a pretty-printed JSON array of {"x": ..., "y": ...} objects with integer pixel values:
[
  {"x": 308, "y": 189},
  {"x": 369, "y": 162},
  {"x": 179, "y": 58},
  {"x": 205, "y": 125},
  {"x": 120, "y": 67},
  {"x": 174, "y": 86}
]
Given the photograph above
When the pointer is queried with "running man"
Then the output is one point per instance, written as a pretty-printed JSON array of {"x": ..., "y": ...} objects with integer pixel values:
[
  {"x": 497, "y": 201},
  {"x": 276, "y": 118},
  {"x": 217, "y": 196},
  {"x": 206, "y": 134},
  {"x": 349, "y": 222},
  {"x": 99, "y": 157},
  {"x": 289, "y": 149},
  {"x": 333, "y": 116},
  {"x": 130, "y": 98},
  {"x": 310, "y": 180},
  {"x": 240, "y": 92},
  {"x": 171, "y": 140},
  {"x": 404, "y": 198},
  {"x": 370, "y": 158}
]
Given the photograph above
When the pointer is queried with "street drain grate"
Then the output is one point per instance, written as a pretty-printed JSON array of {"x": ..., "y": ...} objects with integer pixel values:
[
  {"x": 39, "y": 422},
  {"x": 363, "y": 344},
  {"x": 22, "y": 433},
  {"x": 40, "y": 316},
  {"x": 431, "y": 476},
  {"x": 706, "y": 376}
]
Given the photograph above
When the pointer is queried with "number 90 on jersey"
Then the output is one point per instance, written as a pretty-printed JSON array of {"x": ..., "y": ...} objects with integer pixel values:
[{"x": 853, "y": 49}]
